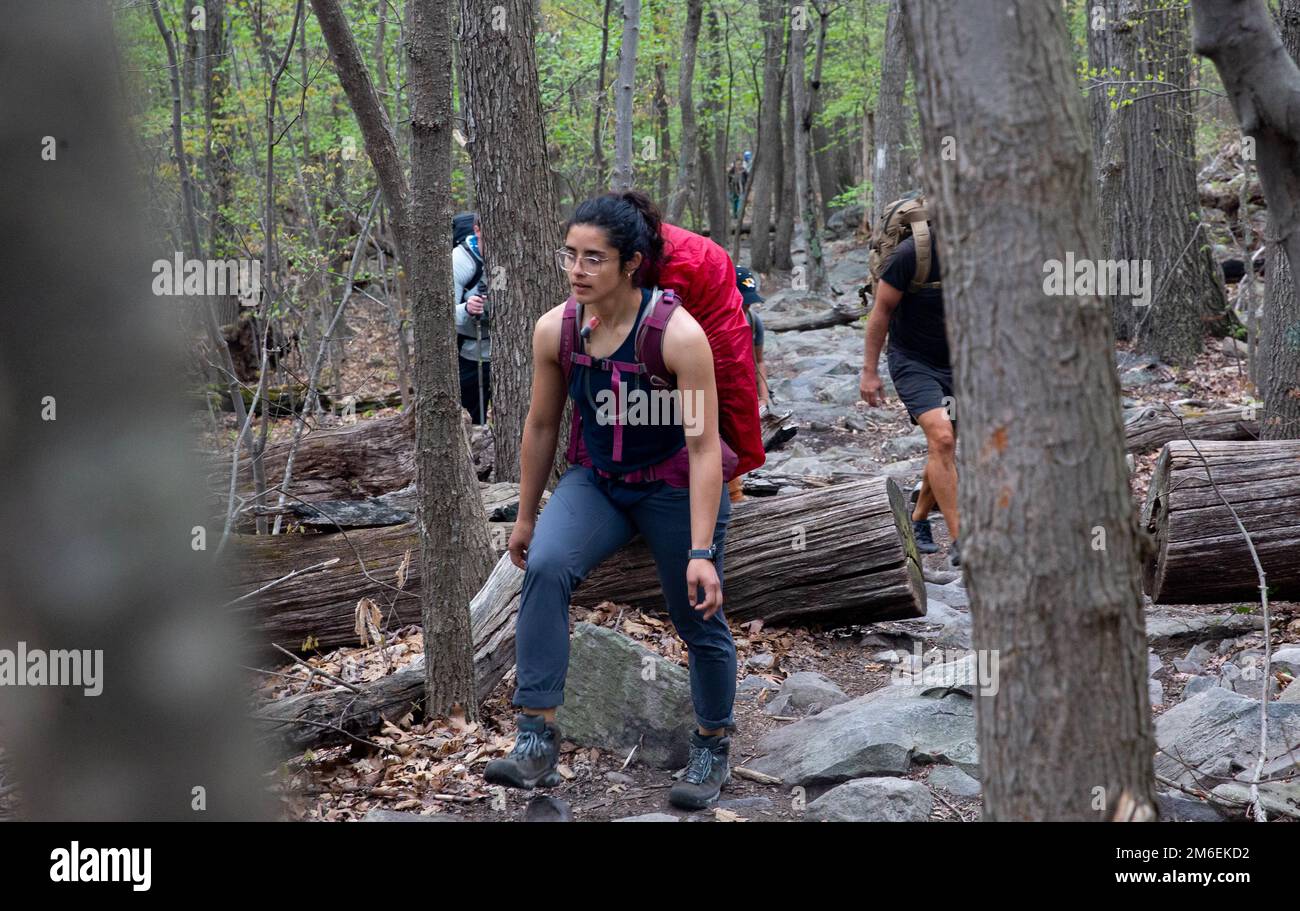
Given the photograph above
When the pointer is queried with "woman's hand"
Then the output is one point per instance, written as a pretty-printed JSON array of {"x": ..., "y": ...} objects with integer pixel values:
[
  {"x": 520, "y": 537},
  {"x": 700, "y": 573}
]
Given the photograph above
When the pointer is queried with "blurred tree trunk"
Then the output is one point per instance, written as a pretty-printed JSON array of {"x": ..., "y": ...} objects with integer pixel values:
[
  {"x": 1040, "y": 488},
  {"x": 892, "y": 164}
]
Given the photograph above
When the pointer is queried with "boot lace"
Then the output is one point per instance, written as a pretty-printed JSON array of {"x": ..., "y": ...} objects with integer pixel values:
[
  {"x": 700, "y": 765},
  {"x": 529, "y": 744}
]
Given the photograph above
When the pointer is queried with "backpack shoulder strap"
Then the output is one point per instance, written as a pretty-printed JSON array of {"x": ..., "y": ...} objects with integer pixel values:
[
  {"x": 568, "y": 337},
  {"x": 649, "y": 347},
  {"x": 921, "y": 237}
]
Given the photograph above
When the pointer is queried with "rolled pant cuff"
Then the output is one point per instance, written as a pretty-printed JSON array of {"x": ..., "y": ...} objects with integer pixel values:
[{"x": 538, "y": 699}]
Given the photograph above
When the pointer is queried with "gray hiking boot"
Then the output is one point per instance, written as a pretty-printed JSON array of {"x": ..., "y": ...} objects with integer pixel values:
[
  {"x": 531, "y": 763},
  {"x": 923, "y": 534},
  {"x": 706, "y": 773}
]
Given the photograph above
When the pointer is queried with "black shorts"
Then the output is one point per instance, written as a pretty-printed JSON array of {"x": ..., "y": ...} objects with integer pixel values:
[{"x": 921, "y": 385}]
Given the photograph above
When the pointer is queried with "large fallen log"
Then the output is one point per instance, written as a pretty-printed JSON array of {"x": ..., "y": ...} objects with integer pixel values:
[
  {"x": 1200, "y": 556},
  {"x": 840, "y": 314},
  {"x": 323, "y": 718},
  {"x": 1151, "y": 428},
  {"x": 840, "y": 554}
]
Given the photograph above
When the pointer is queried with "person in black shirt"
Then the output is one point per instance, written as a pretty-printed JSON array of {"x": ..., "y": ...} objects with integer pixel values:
[{"x": 921, "y": 370}]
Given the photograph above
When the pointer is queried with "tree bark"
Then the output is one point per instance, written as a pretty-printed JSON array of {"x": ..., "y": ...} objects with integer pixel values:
[
  {"x": 713, "y": 149},
  {"x": 686, "y": 102},
  {"x": 1280, "y": 357},
  {"x": 621, "y": 180},
  {"x": 804, "y": 163},
  {"x": 516, "y": 203},
  {"x": 1152, "y": 428},
  {"x": 892, "y": 166},
  {"x": 598, "y": 114},
  {"x": 1043, "y": 482},
  {"x": 786, "y": 204},
  {"x": 1200, "y": 556},
  {"x": 769, "y": 138},
  {"x": 454, "y": 547}
]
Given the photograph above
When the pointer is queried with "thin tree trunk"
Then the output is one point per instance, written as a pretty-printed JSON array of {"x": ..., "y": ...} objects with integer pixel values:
[
  {"x": 1280, "y": 354},
  {"x": 767, "y": 156},
  {"x": 805, "y": 164},
  {"x": 622, "y": 177},
  {"x": 516, "y": 204},
  {"x": 664, "y": 143},
  {"x": 1043, "y": 491},
  {"x": 892, "y": 162},
  {"x": 713, "y": 149},
  {"x": 686, "y": 102},
  {"x": 598, "y": 116},
  {"x": 454, "y": 545},
  {"x": 786, "y": 204}
]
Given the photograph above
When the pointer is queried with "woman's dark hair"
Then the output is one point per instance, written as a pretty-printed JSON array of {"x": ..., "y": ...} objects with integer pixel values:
[{"x": 631, "y": 222}]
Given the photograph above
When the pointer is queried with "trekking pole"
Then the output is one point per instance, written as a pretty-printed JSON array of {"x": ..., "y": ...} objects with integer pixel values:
[{"x": 478, "y": 354}]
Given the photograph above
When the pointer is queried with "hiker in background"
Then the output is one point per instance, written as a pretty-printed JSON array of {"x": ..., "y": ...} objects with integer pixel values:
[
  {"x": 663, "y": 479},
  {"x": 747, "y": 282},
  {"x": 909, "y": 310},
  {"x": 472, "y": 316},
  {"x": 736, "y": 177}
]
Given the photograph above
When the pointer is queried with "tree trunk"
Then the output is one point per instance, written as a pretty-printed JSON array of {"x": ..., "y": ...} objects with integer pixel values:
[
  {"x": 1160, "y": 219},
  {"x": 769, "y": 138},
  {"x": 663, "y": 137},
  {"x": 713, "y": 150},
  {"x": 621, "y": 180},
  {"x": 1040, "y": 489},
  {"x": 686, "y": 103},
  {"x": 598, "y": 114},
  {"x": 1280, "y": 357},
  {"x": 804, "y": 164},
  {"x": 1200, "y": 555},
  {"x": 454, "y": 547},
  {"x": 516, "y": 203},
  {"x": 891, "y": 170},
  {"x": 786, "y": 204}
]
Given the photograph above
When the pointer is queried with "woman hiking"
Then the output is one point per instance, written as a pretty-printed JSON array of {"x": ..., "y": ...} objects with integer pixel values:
[{"x": 662, "y": 478}]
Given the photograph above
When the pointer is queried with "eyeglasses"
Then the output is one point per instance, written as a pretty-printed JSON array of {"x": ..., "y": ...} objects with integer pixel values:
[{"x": 590, "y": 264}]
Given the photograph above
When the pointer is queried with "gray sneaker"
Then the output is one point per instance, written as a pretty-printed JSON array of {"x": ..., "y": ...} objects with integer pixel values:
[
  {"x": 706, "y": 773},
  {"x": 531, "y": 763}
]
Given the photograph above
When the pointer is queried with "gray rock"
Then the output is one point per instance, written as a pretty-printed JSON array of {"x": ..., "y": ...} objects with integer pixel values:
[
  {"x": 1165, "y": 628},
  {"x": 1195, "y": 661},
  {"x": 806, "y": 692},
  {"x": 888, "y": 656},
  {"x": 905, "y": 447},
  {"x": 1278, "y": 798},
  {"x": 873, "y": 800},
  {"x": 1156, "y": 691},
  {"x": 937, "y": 611},
  {"x": 378, "y": 815},
  {"x": 955, "y": 634},
  {"x": 954, "y": 781},
  {"x": 1153, "y": 662},
  {"x": 650, "y": 817},
  {"x": 1290, "y": 695},
  {"x": 753, "y": 685},
  {"x": 952, "y": 594},
  {"x": 608, "y": 703},
  {"x": 762, "y": 661},
  {"x": 1198, "y": 685},
  {"x": 881, "y": 733},
  {"x": 1218, "y": 730},
  {"x": 1177, "y": 808},
  {"x": 547, "y": 809},
  {"x": 736, "y": 804},
  {"x": 941, "y": 576},
  {"x": 1288, "y": 659},
  {"x": 620, "y": 778}
]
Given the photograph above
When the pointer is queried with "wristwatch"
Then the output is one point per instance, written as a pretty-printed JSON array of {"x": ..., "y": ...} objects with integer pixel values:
[{"x": 707, "y": 553}]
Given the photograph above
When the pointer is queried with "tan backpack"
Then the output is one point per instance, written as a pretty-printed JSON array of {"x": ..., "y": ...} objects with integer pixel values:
[{"x": 903, "y": 218}]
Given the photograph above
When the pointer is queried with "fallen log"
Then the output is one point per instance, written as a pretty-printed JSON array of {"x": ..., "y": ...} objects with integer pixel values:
[
  {"x": 841, "y": 554},
  {"x": 1200, "y": 556},
  {"x": 323, "y": 718},
  {"x": 1151, "y": 428},
  {"x": 839, "y": 314},
  {"x": 500, "y": 501}
]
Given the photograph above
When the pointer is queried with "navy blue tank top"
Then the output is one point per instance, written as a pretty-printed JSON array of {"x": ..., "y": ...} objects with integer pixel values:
[{"x": 651, "y": 422}]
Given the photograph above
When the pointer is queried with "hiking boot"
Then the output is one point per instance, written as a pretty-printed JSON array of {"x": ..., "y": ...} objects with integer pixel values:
[
  {"x": 532, "y": 762},
  {"x": 924, "y": 536},
  {"x": 706, "y": 772},
  {"x": 954, "y": 554}
]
